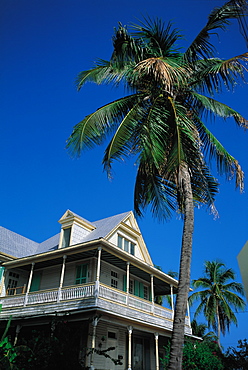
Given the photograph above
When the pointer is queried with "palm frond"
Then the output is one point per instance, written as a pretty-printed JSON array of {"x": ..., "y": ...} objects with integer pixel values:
[
  {"x": 150, "y": 190},
  {"x": 226, "y": 163},
  {"x": 121, "y": 142},
  {"x": 218, "y": 19},
  {"x": 92, "y": 130},
  {"x": 166, "y": 73},
  {"x": 159, "y": 39},
  {"x": 211, "y": 75},
  {"x": 126, "y": 48},
  {"x": 206, "y": 105}
]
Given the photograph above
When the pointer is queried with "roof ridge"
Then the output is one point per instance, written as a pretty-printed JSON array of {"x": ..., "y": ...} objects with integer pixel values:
[{"x": 109, "y": 217}]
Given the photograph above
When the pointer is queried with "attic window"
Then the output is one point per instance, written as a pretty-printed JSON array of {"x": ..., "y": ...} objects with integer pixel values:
[
  {"x": 66, "y": 237},
  {"x": 112, "y": 335},
  {"x": 126, "y": 245}
]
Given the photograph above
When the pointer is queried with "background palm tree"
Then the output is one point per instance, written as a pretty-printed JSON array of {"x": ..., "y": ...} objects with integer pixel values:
[
  {"x": 219, "y": 297},
  {"x": 161, "y": 123},
  {"x": 199, "y": 330}
]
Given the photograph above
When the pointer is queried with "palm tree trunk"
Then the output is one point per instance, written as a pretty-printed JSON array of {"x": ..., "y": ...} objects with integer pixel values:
[
  {"x": 218, "y": 329},
  {"x": 177, "y": 341}
]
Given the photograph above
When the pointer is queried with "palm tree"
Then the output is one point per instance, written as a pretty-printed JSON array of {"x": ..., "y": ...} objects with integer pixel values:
[
  {"x": 160, "y": 122},
  {"x": 218, "y": 297},
  {"x": 199, "y": 330}
]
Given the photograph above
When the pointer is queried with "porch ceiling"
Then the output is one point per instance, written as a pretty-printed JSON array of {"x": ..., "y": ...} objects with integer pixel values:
[{"x": 160, "y": 287}]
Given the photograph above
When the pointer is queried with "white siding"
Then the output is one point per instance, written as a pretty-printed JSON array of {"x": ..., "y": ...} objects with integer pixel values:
[
  {"x": 100, "y": 362},
  {"x": 70, "y": 274},
  {"x": 105, "y": 276},
  {"x": 78, "y": 233},
  {"x": 50, "y": 278}
]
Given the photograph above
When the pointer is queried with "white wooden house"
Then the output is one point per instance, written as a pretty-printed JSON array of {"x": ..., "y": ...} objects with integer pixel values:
[{"x": 99, "y": 274}]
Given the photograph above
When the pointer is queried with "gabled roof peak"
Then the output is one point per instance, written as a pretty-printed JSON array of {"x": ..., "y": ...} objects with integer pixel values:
[{"x": 70, "y": 217}]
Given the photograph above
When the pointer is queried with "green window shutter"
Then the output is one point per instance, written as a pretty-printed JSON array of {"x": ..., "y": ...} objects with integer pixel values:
[
  {"x": 136, "y": 288},
  {"x": 141, "y": 290},
  {"x": 124, "y": 283},
  {"x": 66, "y": 237},
  {"x": 1, "y": 272},
  {"x": 35, "y": 285},
  {"x": 81, "y": 274}
]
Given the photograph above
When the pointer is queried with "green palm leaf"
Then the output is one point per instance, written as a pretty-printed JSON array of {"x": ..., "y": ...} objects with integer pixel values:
[{"x": 219, "y": 18}]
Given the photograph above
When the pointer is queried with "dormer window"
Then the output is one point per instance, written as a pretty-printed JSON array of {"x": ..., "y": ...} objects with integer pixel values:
[
  {"x": 66, "y": 237},
  {"x": 126, "y": 245}
]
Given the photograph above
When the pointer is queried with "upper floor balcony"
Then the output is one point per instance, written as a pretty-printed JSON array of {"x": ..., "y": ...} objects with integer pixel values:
[
  {"x": 71, "y": 299},
  {"x": 93, "y": 275}
]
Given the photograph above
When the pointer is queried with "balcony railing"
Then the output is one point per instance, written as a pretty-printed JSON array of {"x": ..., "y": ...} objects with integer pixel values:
[{"x": 80, "y": 293}]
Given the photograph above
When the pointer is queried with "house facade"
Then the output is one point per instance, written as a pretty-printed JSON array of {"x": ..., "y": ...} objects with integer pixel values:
[
  {"x": 243, "y": 262},
  {"x": 98, "y": 276}
]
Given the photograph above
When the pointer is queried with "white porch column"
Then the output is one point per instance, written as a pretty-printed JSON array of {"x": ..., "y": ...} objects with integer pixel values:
[
  {"x": 189, "y": 323},
  {"x": 130, "y": 330},
  {"x": 93, "y": 342},
  {"x": 172, "y": 301},
  {"x": 152, "y": 293},
  {"x": 18, "y": 328},
  {"x": 156, "y": 350},
  {"x": 128, "y": 279},
  {"x": 61, "y": 278},
  {"x": 29, "y": 283},
  {"x": 98, "y": 264},
  {"x": 98, "y": 270}
]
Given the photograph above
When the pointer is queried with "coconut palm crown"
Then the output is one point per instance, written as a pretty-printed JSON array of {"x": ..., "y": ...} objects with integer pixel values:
[
  {"x": 220, "y": 296},
  {"x": 161, "y": 122}
]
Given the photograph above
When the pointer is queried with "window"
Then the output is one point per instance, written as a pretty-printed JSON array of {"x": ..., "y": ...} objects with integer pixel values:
[
  {"x": 82, "y": 274},
  {"x": 126, "y": 245},
  {"x": 136, "y": 288},
  {"x": 132, "y": 249},
  {"x": 114, "y": 279},
  {"x": 12, "y": 283},
  {"x": 146, "y": 292},
  {"x": 66, "y": 237},
  {"x": 120, "y": 238},
  {"x": 112, "y": 335},
  {"x": 131, "y": 286}
]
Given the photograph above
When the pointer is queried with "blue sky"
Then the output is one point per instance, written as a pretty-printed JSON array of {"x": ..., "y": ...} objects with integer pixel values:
[{"x": 44, "y": 45}]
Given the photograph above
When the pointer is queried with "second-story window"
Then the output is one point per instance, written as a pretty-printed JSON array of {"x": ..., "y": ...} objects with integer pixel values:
[
  {"x": 82, "y": 274},
  {"x": 146, "y": 292},
  {"x": 12, "y": 283},
  {"x": 114, "y": 279},
  {"x": 126, "y": 245},
  {"x": 131, "y": 286},
  {"x": 66, "y": 237}
]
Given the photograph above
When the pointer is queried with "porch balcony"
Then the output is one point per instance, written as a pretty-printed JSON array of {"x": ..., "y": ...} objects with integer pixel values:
[{"x": 73, "y": 299}]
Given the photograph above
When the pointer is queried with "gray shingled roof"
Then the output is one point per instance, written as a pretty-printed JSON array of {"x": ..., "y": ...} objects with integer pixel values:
[
  {"x": 104, "y": 226},
  {"x": 48, "y": 245},
  {"x": 18, "y": 246}
]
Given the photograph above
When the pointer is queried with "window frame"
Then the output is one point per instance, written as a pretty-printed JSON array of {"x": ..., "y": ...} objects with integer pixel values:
[
  {"x": 78, "y": 280},
  {"x": 126, "y": 244},
  {"x": 114, "y": 279}
]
